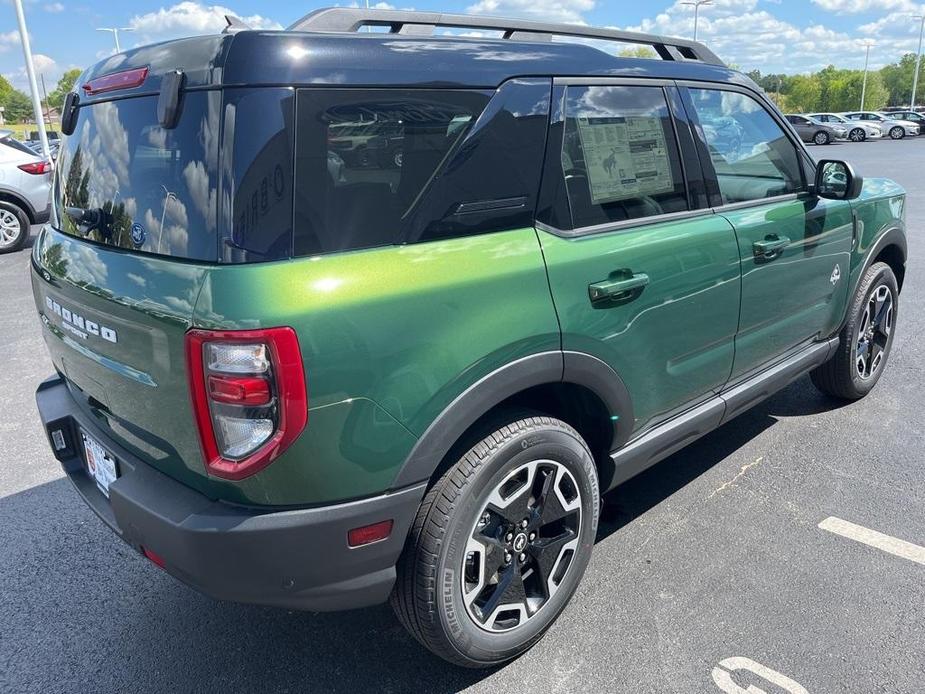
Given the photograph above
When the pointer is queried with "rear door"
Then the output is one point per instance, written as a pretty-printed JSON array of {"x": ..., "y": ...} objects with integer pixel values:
[
  {"x": 793, "y": 246},
  {"x": 117, "y": 273},
  {"x": 643, "y": 275}
]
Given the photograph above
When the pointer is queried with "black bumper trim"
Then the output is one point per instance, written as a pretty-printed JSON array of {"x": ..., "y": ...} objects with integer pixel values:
[{"x": 298, "y": 559}]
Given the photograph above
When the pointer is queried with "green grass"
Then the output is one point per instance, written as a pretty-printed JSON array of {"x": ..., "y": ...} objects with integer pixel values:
[{"x": 21, "y": 130}]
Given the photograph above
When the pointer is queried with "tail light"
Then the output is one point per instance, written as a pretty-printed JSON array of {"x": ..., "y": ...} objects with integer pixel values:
[
  {"x": 36, "y": 167},
  {"x": 248, "y": 394}
]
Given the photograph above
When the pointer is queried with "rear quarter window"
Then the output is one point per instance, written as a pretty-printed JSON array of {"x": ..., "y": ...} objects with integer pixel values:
[{"x": 364, "y": 159}]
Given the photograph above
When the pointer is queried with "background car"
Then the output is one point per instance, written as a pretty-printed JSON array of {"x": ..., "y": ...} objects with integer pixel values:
[
  {"x": 858, "y": 131},
  {"x": 895, "y": 128},
  {"x": 25, "y": 186},
  {"x": 911, "y": 116},
  {"x": 811, "y": 130}
]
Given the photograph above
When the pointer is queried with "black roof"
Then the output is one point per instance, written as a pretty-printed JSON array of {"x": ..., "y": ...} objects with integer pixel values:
[{"x": 294, "y": 58}]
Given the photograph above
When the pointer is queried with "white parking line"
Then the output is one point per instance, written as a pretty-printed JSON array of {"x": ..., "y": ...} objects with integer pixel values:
[{"x": 859, "y": 533}]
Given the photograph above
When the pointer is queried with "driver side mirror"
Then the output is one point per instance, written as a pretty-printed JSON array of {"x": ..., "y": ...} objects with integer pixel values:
[{"x": 836, "y": 180}]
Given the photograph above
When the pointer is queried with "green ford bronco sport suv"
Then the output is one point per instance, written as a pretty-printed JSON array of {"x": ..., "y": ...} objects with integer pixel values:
[{"x": 341, "y": 317}]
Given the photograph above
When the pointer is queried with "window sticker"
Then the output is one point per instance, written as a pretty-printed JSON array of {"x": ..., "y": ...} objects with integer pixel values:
[{"x": 625, "y": 157}]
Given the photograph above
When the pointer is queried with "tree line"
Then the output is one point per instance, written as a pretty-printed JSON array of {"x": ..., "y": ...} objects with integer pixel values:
[
  {"x": 834, "y": 89},
  {"x": 18, "y": 106}
]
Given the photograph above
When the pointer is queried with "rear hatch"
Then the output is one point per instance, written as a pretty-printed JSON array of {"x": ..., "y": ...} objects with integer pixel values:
[{"x": 117, "y": 273}]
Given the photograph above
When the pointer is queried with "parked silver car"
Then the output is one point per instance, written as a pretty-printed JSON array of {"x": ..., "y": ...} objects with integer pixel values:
[
  {"x": 25, "y": 188},
  {"x": 858, "y": 130},
  {"x": 894, "y": 128},
  {"x": 811, "y": 130}
]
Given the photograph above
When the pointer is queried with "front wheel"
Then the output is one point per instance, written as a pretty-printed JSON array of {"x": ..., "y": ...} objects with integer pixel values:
[
  {"x": 866, "y": 339},
  {"x": 897, "y": 133},
  {"x": 500, "y": 543},
  {"x": 857, "y": 135},
  {"x": 821, "y": 138}
]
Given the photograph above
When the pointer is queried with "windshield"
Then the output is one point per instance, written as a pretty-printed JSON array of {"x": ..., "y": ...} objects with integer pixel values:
[{"x": 125, "y": 181}]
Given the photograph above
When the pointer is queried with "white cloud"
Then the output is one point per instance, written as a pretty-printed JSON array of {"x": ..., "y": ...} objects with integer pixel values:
[
  {"x": 54, "y": 7},
  {"x": 190, "y": 19},
  {"x": 8, "y": 40},
  {"x": 751, "y": 36},
  {"x": 857, "y": 6},
  {"x": 44, "y": 65},
  {"x": 570, "y": 11}
]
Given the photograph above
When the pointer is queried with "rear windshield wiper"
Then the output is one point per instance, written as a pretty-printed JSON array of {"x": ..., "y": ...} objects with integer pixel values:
[{"x": 90, "y": 219}]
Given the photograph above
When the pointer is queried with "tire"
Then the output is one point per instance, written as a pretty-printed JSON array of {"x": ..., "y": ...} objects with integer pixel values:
[
  {"x": 868, "y": 333},
  {"x": 444, "y": 594},
  {"x": 821, "y": 138},
  {"x": 14, "y": 227},
  {"x": 897, "y": 133},
  {"x": 857, "y": 135}
]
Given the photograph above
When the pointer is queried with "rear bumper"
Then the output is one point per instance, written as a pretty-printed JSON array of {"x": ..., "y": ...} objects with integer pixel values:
[{"x": 297, "y": 559}]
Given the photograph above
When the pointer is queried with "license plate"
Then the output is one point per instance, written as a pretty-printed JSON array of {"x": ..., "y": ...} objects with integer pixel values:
[{"x": 100, "y": 464}]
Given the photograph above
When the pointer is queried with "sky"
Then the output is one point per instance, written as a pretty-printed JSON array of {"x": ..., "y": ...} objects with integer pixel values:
[{"x": 792, "y": 36}]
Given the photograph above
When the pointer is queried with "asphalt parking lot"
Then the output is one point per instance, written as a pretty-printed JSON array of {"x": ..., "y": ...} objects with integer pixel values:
[{"x": 714, "y": 554}]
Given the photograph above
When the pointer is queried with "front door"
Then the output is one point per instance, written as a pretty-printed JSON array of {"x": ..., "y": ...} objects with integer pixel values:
[
  {"x": 794, "y": 247},
  {"x": 641, "y": 278}
]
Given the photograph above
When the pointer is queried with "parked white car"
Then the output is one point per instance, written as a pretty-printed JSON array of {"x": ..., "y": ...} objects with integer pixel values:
[
  {"x": 858, "y": 131},
  {"x": 895, "y": 129},
  {"x": 25, "y": 189}
]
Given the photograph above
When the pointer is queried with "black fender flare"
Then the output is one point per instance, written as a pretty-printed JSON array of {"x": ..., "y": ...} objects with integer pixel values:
[
  {"x": 512, "y": 378},
  {"x": 894, "y": 236}
]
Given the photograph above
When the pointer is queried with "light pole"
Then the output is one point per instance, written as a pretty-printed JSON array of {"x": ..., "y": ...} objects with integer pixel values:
[
  {"x": 30, "y": 73},
  {"x": 697, "y": 4},
  {"x": 918, "y": 59},
  {"x": 864, "y": 83},
  {"x": 115, "y": 34}
]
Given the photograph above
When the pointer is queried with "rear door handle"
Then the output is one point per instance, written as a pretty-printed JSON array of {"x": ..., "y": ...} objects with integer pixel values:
[
  {"x": 611, "y": 289},
  {"x": 771, "y": 247}
]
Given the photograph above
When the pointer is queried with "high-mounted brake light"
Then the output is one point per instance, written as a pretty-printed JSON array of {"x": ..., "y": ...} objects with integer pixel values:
[
  {"x": 127, "y": 79},
  {"x": 36, "y": 167},
  {"x": 249, "y": 397}
]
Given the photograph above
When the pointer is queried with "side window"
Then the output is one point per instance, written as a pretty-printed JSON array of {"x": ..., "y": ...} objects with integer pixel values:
[
  {"x": 753, "y": 157},
  {"x": 365, "y": 159},
  {"x": 620, "y": 156}
]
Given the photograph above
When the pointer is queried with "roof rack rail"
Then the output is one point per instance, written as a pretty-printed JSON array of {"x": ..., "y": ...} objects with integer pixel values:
[{"x": 347, "y": 19}]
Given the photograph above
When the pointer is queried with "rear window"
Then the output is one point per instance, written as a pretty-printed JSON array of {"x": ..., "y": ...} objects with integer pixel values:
[
  {"x": 13, "y": 143},
  {"x": 124, "y": 181},
  {"x": 365, "y": 160}
]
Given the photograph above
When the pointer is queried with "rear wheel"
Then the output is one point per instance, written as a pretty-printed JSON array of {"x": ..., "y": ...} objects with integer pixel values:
[
  {"x": 865, "y": 340},
  {"x": 897, "y": 133},
  {"x": 857, "y": 135},
  {"x": 500, "y": 543},
  {"x": 821, "y": 138},
  {"x": 14, "y": 227}
]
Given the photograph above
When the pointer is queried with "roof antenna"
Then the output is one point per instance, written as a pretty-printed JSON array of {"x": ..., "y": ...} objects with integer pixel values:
[{"x": 234, "y": 25}]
